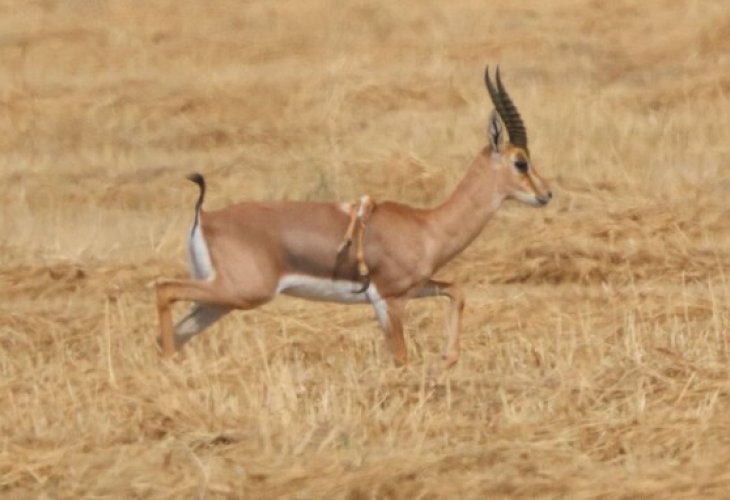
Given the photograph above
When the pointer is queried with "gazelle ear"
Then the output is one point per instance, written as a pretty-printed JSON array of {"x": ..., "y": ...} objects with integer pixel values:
[{"x": 496, "y": 132}]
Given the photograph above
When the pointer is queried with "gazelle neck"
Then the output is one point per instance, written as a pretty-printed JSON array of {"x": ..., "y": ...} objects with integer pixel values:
[{"x": 460, "y": 219}]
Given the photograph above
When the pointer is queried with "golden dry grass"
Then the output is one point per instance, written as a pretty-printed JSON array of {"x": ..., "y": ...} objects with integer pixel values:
[{"x": 595, "y": 337}]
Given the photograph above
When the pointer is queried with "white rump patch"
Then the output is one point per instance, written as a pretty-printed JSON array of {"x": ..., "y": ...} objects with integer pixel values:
[
  {"x": 201, "y": 268},
  {"x": 323, "y": 289}
]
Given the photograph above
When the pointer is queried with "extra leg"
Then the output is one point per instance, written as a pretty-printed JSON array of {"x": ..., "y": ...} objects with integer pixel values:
[
  {"x": 364, "y": 209},
  {"x": 453, "y": 328},
  {"x": 347, "y": 240},
  {"x": 390, "y": 316},
  {"x": 199, "y": 318},
  {"x": 359, "y": 213}
]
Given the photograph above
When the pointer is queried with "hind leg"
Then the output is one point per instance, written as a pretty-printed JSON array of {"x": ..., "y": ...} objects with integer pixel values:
[
  {"x": 200, "y": 317},
  {"x": 209, "y": 293},
  {"x": 171, "y": 291}
]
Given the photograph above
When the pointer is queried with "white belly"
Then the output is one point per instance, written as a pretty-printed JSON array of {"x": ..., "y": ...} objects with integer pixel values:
[{"x": 323, "y": 289}]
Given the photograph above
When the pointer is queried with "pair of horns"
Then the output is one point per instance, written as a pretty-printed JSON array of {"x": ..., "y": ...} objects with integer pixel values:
[{"x": 507, "y": 111}]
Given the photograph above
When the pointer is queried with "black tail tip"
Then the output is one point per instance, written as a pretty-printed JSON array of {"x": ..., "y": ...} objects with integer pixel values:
[{"x": 196, "y": 178}]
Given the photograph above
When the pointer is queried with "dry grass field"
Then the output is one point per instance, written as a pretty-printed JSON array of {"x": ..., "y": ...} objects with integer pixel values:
[{"x": 595, "y": 344}]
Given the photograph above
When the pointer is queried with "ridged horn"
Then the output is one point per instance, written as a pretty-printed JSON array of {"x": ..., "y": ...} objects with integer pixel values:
[
  {"x": 494, "y": 93},
  {"x": 511, "y": 117}
]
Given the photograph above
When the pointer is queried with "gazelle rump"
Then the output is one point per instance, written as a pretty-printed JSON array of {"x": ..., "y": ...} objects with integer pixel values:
[{"x": 243, "y": 255}]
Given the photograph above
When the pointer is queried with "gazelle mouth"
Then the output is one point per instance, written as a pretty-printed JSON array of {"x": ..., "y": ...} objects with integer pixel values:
[{"x": 544, "y": 199}]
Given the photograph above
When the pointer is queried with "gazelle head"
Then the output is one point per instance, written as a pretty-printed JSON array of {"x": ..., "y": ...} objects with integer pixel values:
[{"x": 512, "y": 156}]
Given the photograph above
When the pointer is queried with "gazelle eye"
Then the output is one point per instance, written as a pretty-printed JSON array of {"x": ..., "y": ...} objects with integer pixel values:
[{"x": 522, "y": 166}]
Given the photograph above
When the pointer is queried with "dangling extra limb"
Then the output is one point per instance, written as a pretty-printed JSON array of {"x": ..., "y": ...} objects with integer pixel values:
[
  {"x": 359, "y": 215},
  {"x": 364, "y": 209},
  {"x": 347, "y": 240}
]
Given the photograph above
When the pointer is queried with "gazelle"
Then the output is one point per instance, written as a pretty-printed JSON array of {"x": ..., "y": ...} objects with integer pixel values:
[{"x": 243, "y": 255}]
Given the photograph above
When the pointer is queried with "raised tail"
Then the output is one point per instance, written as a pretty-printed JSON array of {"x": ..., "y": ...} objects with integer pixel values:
[
  {"x": 200, "y": 181},
  {"x": 201, "y": 267}
]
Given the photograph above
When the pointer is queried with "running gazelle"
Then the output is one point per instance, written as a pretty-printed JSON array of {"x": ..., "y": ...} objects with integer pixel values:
[{"x": 243, "y": 255}]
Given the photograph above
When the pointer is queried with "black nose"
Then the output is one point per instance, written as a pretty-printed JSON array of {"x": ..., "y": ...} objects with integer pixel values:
[{"x": 545, "y": 199}]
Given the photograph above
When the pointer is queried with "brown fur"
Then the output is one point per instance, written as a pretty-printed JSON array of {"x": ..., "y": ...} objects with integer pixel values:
[{"x": 253, "y": 245}]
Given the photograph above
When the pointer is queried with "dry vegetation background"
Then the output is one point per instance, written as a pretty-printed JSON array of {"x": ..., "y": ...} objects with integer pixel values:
[{"x": 595, "y": 338}]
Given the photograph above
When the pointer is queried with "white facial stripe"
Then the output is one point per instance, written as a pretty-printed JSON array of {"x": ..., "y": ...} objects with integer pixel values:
[
  {"x": 322, "y": 289},
  {"x": 529, "y": 198},
  {"x": 201, "y": 268}
]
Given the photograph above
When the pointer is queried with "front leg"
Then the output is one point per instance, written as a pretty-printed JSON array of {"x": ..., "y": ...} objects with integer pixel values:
[
  {"x": 390, "y": 317},
  {"x": 451, "y": 290}
]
